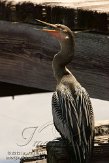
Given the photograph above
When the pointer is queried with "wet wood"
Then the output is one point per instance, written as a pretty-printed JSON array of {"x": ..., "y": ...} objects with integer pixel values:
[{"x": 26, "y": 56}]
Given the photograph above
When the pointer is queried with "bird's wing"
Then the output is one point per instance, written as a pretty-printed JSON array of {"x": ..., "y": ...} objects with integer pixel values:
[{"x": 73, "y": 118}]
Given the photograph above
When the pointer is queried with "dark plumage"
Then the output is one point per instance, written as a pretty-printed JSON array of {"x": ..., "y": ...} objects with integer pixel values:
[
  {"x": 73, "y": 119},
  {"x": 71, "y": 105}
]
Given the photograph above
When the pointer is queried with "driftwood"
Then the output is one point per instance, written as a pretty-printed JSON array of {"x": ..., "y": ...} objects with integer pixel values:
[{"x": 26, "y": 55}]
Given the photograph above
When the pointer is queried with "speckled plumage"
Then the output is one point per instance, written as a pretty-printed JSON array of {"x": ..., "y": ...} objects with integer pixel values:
[{"x": 73, "y": 118}]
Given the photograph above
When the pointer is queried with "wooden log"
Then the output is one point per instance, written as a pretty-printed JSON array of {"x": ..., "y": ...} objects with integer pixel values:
[
  {"x": 26, "y": 56},
  {"x": 23, "y": 46}
]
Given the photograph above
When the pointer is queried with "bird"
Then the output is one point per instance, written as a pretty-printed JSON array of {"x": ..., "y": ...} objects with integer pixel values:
[{"x": 72, "y": 110}]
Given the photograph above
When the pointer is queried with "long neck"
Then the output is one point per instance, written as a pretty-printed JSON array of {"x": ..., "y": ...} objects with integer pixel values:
[{"x": 64, "y": 57}]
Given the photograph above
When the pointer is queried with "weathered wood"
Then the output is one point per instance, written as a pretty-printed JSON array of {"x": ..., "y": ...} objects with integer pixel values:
[
  {"x": 34, "y": 159},
  {"x": 58, "y": 152},
  {"x": 26, "y": 55}
]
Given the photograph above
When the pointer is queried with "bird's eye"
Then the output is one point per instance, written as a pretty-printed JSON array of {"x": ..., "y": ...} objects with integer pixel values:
[
  {"x": 58, "y": 26},
  {"x": 65, "y": 30}
]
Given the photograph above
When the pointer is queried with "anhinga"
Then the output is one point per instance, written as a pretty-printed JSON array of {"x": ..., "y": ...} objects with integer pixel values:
[{"x": 71, "y": 105}]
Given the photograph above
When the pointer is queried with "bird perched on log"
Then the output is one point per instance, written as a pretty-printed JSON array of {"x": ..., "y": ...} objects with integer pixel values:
[{"x": 71, "y": 106}]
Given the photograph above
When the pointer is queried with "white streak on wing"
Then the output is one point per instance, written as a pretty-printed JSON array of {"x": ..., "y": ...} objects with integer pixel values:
[{"x": 72, "y": 116}]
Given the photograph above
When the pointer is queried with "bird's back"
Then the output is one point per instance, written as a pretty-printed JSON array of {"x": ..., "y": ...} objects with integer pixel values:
[{"x": 73, "y": 117}]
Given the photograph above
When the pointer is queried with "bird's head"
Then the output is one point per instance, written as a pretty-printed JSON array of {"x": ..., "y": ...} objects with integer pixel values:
[
  {"x": 64, "y": 56},
  {"x": 59, "y": 31}
]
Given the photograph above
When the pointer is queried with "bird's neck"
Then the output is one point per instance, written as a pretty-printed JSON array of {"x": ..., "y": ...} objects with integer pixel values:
[{"x": 63, "y": 58}]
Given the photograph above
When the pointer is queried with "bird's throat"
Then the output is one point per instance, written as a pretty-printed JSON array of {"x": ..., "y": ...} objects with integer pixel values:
[
  {"x": 63, "y": 57},
  {"x": 59, "y": 65}
]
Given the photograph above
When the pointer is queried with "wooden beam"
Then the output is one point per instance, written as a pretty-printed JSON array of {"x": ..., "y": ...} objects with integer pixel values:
[{"x": 26, "y": 56}]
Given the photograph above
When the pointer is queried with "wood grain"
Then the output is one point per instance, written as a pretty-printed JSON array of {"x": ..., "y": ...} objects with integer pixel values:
[{"x": 26, "y": 55}]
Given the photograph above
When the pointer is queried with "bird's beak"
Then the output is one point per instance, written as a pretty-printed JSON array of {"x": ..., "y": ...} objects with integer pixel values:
[{"x": 54, "y": 32}]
